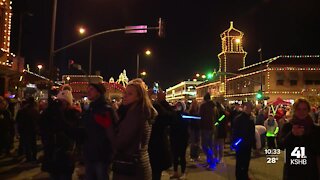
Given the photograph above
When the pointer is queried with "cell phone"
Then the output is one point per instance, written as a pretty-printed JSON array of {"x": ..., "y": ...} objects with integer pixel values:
[{"x": 155, "y": 87}]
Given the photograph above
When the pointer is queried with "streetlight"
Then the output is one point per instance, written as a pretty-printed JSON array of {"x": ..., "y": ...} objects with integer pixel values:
[
  {"x": 143, "y": 74},
  {"x": 83, "y": 31},
  {"x": 197, "y": 75},
  {"x": 40, "y": 67},
  {"x": 148, "y": 53}
]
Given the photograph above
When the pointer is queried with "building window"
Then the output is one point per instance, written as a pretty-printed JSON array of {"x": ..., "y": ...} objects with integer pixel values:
[
  {"x": 280, "y": 82},
  {"x": 308, "y": 82},
  {"x": 293, "y": 82}
]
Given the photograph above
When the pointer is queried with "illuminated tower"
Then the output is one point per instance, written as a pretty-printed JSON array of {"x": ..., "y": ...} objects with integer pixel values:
[
  {"x": 232, "y": 56},
  {"x": 5, "y": 30}
]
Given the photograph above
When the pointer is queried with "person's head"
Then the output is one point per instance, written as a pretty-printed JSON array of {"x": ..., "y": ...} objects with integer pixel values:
[
  {"x": 42, "y": 105},
  {"x": 180, "y": 106},
  {"x": 66, "y": 98},
  {"x": 3, "y": 103},
  {"x": 194, "y": 104},
  {"x": 95, "y": 90},
  {"x": 270, "y": 116},
  {"x": 301, "y": 108},
  {"x": 206, "y": 97},
  {"x": 136, "y": 93},
  {"x": 247, "y": 107}
]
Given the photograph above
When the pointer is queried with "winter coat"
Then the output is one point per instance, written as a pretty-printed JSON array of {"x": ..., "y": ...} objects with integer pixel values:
[
  {"x": 271, "y": 125},
  {"x": 98, "y": 135},
  {"x": 259, "y": 131},
  {"x": 6, "y": 128},
  {"x": 132, "y": 138},
  {"x": 244, "y": 129},
  {"x": 220, "y": 129},
  {"x": 206, "y": 113},
  {"x": 58, "y": 137},
  {"x": 28, "y": 121},
  {"x": 310, "y": 141},
  {"x": 179, "y": 134},
  {"x": 159, "y": 147}
]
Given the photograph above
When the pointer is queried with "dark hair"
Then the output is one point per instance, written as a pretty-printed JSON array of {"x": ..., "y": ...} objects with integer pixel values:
[
  {"x": 206, "y": 97},
  {"x": 300, "y": 100}
]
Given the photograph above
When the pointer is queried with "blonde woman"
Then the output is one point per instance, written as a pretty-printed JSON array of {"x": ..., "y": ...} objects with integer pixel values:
[{"x": 136, "y": 114}]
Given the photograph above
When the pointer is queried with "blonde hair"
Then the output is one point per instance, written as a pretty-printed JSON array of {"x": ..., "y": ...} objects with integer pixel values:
[
  {"x": 298, "y": 101},
  {"x": 144, "y": 100}
]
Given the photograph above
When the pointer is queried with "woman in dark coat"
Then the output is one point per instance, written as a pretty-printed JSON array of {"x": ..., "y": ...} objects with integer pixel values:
[
  {"x": 133, "y": 131},
  {"x": 179, "y": 141},
  {"x": 159, "y": 146},
  {"x": 302, "y": 133},
  {"x": 57, "y": 127}
]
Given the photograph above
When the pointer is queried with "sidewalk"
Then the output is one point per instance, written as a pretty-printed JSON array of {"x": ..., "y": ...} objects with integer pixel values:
[{"x": 16, "y": 169}]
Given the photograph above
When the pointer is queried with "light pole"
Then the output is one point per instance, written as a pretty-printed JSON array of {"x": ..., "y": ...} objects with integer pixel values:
[
  {"x": 40, "y": 67},
  {"x": 148, "y": 53},
  {"x": 53, "y": 30},
  {"x": 20, "y": 30},
  {"x": 82, "y": 31}
]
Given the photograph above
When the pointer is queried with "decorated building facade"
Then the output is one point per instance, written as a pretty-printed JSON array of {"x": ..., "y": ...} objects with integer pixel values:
[
  {"x": 79, "y": 85},
  {"x": 285, "y": 76},
  {"x": 10, "y": 67},
  {"x": 185, "y": 91}
]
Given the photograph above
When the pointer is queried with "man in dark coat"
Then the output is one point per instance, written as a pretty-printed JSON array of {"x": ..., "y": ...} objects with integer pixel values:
[
  {"x": 244, "y": 140},
  {"x": 6, "y": 125},
  {"x": 27, "y": 121},
  {"x": 207, "y": 115},
  {"x": 98, "y": 121},
  {"x": 159, "y": 150}
]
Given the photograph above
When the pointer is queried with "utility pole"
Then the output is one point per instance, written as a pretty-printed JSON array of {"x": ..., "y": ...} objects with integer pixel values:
[{"x": 53, "y": 29}]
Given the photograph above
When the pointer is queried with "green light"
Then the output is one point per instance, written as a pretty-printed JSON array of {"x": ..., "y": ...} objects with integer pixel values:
[
  {"x": 259, "y": 95},
  {"x": 209, "y": 75}
]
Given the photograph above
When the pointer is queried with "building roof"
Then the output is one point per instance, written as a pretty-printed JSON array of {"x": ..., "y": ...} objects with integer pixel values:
[
  {"x": 287, "y": 60},
  {"x": 231, "y": 31}
]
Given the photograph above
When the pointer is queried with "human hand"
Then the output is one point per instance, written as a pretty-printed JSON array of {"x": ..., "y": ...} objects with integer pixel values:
[
  {"x": 297, "y": 130},
  {"x": 161, "y": 96}
]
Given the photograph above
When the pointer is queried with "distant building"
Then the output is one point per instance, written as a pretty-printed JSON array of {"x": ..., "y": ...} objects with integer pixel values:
[
  {"x": 79, "y": 84},
  {"x": 185, "y": 90},
  {"x": 10, "y": 67},
  {"x": 285, "y": 76}
]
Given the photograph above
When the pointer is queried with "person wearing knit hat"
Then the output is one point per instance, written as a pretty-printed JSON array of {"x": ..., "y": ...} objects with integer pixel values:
[
  {"x": 98, "y": 87},
  {"x": 97, "y": 147},
  {"x": 66, "y": 96}
]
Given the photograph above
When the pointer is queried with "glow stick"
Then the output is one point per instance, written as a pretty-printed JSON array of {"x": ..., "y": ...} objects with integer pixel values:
[{"x": 190, "y": 117}]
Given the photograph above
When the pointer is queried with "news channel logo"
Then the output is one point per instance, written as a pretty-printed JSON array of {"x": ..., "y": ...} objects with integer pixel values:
[{"x": 298, "y": 156}]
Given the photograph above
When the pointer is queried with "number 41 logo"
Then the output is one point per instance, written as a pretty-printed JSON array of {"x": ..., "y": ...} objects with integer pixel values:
[{"x": 299, "y": 152}]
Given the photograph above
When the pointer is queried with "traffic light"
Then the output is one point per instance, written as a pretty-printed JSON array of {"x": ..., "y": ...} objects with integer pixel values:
[
  {"x": 161, "y": 28},
  {"x": 259, "y": 95},
  {"x": 209, "y": 75}
]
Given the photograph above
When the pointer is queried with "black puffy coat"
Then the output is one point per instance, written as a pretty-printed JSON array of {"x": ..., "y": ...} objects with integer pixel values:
[
  {"x": 310, "y": 141},
  {"x": 57, "y": 130},
  {"x": 159, "y": 147}
]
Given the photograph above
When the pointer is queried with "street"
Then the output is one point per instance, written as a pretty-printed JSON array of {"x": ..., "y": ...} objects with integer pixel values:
[{"x": 15, "y": 169}]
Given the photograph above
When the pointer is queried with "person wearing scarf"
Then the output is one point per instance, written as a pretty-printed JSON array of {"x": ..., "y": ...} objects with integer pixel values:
[{"x": 300, "y": 133}]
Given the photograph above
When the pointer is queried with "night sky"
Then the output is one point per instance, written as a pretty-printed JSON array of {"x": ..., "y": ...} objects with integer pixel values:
[{"x": 192, "y": 40}]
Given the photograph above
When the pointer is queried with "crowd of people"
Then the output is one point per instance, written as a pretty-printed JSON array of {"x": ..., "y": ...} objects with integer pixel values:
[{"x": 144, "y": 135}]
